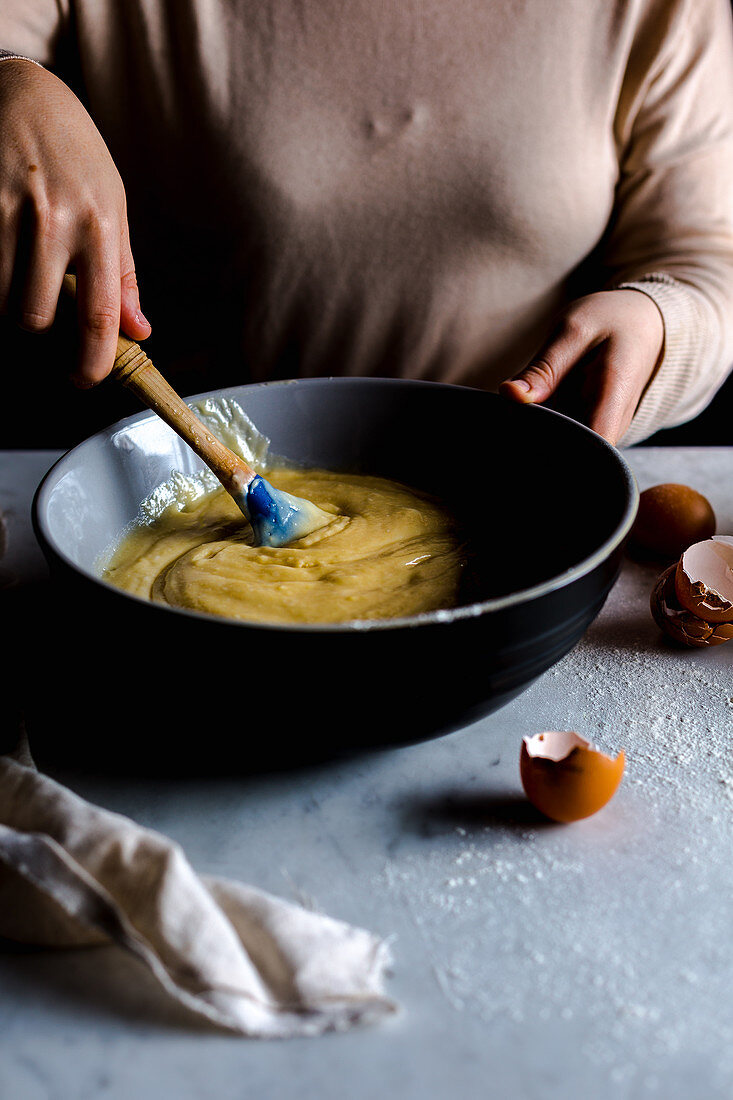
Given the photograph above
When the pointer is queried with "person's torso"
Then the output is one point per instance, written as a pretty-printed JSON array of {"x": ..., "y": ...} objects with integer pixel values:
[{"x": 351, "y": 187}]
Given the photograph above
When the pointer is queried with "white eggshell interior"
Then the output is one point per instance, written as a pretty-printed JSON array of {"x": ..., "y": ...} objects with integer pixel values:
[
  {"x": 555, "y": 744},
  {"x": 711, "y": 562}
]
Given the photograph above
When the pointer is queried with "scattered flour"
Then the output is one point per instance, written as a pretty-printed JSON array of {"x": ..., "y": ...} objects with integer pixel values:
[{"x": 617, "y": 927}]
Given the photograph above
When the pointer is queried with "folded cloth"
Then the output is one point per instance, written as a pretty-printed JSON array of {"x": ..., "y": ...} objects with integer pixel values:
[{"x": 74, "y": 874}]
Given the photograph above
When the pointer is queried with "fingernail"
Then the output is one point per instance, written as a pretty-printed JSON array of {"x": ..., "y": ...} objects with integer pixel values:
[
  {"x": 521, "y": 384},
  {"x": 141, "y": 319}
]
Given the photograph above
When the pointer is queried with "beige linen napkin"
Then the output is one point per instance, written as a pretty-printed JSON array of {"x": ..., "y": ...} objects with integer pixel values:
[{"x": 74, "y": 874}]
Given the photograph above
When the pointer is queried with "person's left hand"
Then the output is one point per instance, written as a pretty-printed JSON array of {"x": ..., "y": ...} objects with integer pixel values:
[{"x": 615, "y": 338}]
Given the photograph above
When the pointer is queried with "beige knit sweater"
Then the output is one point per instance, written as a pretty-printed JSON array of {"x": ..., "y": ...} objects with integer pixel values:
[{"x": 412, "y": 188}]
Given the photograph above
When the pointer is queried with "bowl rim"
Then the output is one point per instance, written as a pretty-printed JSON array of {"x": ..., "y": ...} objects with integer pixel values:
[{"x": 440, "y": 616}]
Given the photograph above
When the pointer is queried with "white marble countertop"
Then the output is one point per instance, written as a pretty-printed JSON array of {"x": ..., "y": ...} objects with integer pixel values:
[{"x": 531, "y": 960}]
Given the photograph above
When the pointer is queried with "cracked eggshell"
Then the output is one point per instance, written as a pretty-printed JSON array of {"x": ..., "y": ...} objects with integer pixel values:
[
  {"x": 565, "y": 777},
  {"x": 679, "y": 623},
  {"x": 704, "y": 579}
]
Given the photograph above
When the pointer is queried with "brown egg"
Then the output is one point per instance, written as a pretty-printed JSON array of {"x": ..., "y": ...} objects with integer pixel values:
[
  {"x": 678, "y": 622},
  {"x": 670, "y": 518},
  {"x": 565, "y": 777}
]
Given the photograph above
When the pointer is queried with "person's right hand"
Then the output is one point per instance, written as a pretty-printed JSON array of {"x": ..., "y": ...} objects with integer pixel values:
[{"x": 62, "y": 205}]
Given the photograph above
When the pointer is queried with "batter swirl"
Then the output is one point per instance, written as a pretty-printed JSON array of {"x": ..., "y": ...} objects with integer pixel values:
[{"x": 389, "y": 552}]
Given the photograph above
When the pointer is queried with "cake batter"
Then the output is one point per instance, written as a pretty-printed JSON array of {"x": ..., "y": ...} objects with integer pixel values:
[{"x": 389, "y": 552}]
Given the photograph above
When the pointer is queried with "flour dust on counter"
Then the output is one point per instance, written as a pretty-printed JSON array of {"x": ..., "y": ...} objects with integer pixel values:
[{"x": 563, "y": 906}]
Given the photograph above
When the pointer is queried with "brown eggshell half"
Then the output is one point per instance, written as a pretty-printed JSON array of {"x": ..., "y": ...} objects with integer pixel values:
[
  {"x": 565, "y": 777},
  {"x": 680, "y": 624},
  {"x": 704, "y": 579}
]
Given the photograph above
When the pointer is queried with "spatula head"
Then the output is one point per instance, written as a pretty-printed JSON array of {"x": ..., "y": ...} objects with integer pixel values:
[{"x": 279, "y": 518}]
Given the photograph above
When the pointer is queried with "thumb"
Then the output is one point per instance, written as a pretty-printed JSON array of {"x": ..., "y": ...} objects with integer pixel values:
[
  {"x": 133, "y": 322},
  {"x": 552, "y": 363}
]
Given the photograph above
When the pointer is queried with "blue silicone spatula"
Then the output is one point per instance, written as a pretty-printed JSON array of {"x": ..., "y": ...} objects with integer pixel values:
[{"x": 277, "y": 518}]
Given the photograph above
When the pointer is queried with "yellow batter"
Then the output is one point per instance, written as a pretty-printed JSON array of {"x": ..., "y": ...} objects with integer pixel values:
[{"x": 389, "y": 552}]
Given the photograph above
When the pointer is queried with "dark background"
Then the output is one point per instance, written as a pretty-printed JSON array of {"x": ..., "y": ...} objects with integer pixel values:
[
  {"x": 711, "y": 428},
  {"x": 42, "y": 409}
]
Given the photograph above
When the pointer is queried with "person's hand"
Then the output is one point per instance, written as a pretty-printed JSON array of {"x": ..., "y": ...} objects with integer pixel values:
[
  {"x": 62, "y": 204},
  {"x": 614, "y": 339}
]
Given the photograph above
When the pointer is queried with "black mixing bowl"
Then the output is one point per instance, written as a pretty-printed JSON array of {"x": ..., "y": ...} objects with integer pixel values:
[{"x": 545, "y": 502}]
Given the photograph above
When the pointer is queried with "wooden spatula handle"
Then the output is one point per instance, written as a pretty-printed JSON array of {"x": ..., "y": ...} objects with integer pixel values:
[{"x": 136, "y": 372}]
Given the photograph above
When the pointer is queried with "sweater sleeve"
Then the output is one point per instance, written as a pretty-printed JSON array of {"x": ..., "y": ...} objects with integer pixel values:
[
  {"x": 31, "y": 29},
  {"x": 672, "y": 233}
]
